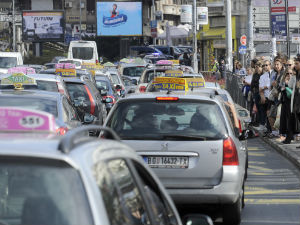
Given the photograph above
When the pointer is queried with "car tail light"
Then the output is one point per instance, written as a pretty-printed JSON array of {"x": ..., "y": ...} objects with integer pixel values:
[
  {"x": 93, "y": 104},
  {"x": 110, "y": 96},
  {"x": 60, "y": 88},
  {"x": 240, "y": 126},
  {"x": 97, "y": 61},
  {"x": 62, "y": 130},
  {"x": 167, "y": 98},
  {"x": 230, "y": 155},
  {"x": 142, "y": 88}
]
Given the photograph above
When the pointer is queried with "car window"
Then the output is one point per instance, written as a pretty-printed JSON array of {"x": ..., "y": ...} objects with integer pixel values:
[
  {"x": 115, "y": 78},
  {"x": 42, "y": 104},
  {"x": 142, "y": 119},
  {"x": 46, "y": 85},
  {"x": 161, "y": 209},
  {"x": 149, "y": 76},
  {"x": 84, "y": 53},
  {"x": 102, "y": 85},
  {"x": 8, "y": 62},
  {"x": 122, "y": 199},
  {"x": 71, "y": 114},
  {"x": 38, "y": 191},
  {"x": 133, "y": 71}
]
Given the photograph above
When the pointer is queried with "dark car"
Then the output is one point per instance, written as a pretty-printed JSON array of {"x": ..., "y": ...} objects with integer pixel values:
[
  {"x": 57, "y": 104},
  {"x": 79, "y": 73},
  {"x": 107, "y": 91},
  {"x": 171, "y": 52},
  {"x": 87, "y": 100}
]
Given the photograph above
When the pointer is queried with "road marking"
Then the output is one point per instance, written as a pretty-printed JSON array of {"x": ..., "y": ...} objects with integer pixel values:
[
  {"x": 270, "y": 191},
  {"x": 256, "y": 154},
  {"x": 273, "y": 201},
  {"x": 256, "y": 162},
  {"x": 252, "y": 148},
  {"x": 259, "y": 174},
  {"x": 259, "y": 168}
]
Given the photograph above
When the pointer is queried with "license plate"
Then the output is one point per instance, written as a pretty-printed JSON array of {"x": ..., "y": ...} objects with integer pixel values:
[{"x": 167, "y": 161}]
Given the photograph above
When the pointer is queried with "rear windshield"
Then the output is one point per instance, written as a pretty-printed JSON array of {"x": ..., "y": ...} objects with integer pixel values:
[
  {"x": 148, "y": 119},
  {"x": 102, "y": 85},
  {"x": 115, "y": 78},
  {"x": 133, "y": 71},
  {"x": 41, "y": 104},
  {"x": 41, "y": 192},
  {"x": 7, "y": 62},
  {"x": 149, "y": 76},
  {"x": 85, "y": 53},
  {"x": 43, "y": 85}
]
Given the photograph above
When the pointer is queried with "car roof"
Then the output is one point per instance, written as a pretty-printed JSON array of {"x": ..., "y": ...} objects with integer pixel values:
[{"x": 46, "y": 77}]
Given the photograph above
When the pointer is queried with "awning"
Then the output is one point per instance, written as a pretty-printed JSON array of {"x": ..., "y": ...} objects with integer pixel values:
[{"x": 214, "y": 33}]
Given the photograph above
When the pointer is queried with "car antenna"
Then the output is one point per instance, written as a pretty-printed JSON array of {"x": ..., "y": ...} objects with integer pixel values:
[{"x": 168, "y": 92}]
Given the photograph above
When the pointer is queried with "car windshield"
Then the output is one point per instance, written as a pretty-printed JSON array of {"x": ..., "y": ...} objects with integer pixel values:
[
  {"x": 134, "y": 71},
  {"x": 148, "y": 119},
  {"x": 84, "y": 53},
  {"x": 41, "y": 104},
  {"x": 102, "y": 85},
  {"x": 149, "y": 76},
  {"x": 38, "y": 191},
  {"x": 115, "y": 78},
  {"x": 7, "y": 62},
  {"x": 44, "y": 85}
]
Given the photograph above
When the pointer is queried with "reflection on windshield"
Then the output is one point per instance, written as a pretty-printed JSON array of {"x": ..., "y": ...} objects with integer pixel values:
[
  {"x": 153, "y": 120},
  {"x": 7, "y": 62},
  {"x": 133, "y": 71}
]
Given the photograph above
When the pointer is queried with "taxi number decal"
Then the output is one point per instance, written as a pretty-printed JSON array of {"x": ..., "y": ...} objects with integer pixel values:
[{"x": 31, "y": 121}]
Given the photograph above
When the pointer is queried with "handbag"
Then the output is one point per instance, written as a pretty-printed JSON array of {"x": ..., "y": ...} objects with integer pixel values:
[{"x": 277, "y": 121}]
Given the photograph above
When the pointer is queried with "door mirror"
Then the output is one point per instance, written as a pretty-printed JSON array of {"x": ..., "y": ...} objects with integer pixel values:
[
  {"x": 88, "y": 118},
  {"x": 117, "y": 86},
  {"x": 197, "y": 219},
  {"x": 244, "y": 135},
  {"x": 103, "y": 92},
  {"x": 101, "y": 60},
  {"x": 122, "y": 93},
  {"x": 134, "y": 81}
]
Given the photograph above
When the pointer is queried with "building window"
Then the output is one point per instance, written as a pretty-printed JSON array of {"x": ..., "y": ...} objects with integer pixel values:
[{"x": 90, "y": 5}]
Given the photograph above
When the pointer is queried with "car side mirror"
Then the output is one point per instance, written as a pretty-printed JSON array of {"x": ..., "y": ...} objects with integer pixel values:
[
  {"x": 100, "y": 59},
  {"x": 122, "y": 93},
  {"x": 197, "y": 219},
  {"x": 88, "y": 118},
  {"x": 244, "y": 135},
  {"x": 103, "y": 92},
  {"x": 134, "y": 81},
  {"x": 107, "y": 100},
  {"x": 117, "y": 86}
]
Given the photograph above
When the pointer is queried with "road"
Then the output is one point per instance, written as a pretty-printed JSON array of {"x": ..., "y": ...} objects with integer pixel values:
[{"x": 272, "y": 190}]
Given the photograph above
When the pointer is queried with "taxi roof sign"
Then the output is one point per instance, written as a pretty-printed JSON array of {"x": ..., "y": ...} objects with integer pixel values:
[
  {"x": 170, "y": 84},
  {"x": 91, "y": 66},
  {"x": 173, "y": 73},
  {"x": 21, "y": 69},
  {"x": 66, "y": 72},
  {"x": 195, "y": 82},
  {"x": 15, "y": 119},
  {"x": 18, "y": 80},
  {"x": 64, "y": 66}
]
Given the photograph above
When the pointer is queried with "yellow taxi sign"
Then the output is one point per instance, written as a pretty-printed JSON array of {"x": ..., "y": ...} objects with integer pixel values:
[
  {"x": 173, "y": 73},
  {"x": 91, "y": 66},
  {"x": 18, "y": 80},
  {"x": 168, "y": 83},
  {"x": 175, "y": 61},
  {"x": 195, "y": 82},
  {"x": 66, "y": 72}
]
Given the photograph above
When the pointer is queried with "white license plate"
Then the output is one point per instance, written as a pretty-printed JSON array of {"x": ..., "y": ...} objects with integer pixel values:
[{"x": 167, "y": 161}]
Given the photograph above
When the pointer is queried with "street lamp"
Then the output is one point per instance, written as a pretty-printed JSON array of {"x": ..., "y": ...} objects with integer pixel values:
[
  {"x": 14, "y": 26},
  {"x": 80, "y": 17}
]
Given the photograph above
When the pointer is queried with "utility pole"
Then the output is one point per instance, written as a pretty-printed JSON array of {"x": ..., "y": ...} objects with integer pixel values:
[
  {"x": 195, "y": 62},
  {"x": 287, "y": 29},
  {"x": 80, "y": 17},
  {"x": 153, "y": 16},
  {"x": 14, "y": 26},
  {"x": 229, "y": 34},
  {"x": 250, "y": 32}
]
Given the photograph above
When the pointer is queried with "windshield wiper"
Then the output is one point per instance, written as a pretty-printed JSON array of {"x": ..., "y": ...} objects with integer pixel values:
[{"x": 182, "y": 137}]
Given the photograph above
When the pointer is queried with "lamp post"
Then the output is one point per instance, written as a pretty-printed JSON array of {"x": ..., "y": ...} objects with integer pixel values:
[
  {"x": 153, "y": 16},
  {"x": 229, "y": 34},
  {"x": 14, "y": 26},
  {"x": 195, "y": 62},
  {"x": 80, "y": 17}
]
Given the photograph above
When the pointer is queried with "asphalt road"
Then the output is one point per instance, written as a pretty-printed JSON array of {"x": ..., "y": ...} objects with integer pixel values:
[{"x": 272, "y": 190}]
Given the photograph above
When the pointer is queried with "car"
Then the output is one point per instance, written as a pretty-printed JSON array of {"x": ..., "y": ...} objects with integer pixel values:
[
  {"x": 171, "y": 52},
  {"x": 130, "y": 84},
  {"x": 134, "y": 71},
  {"x": 145, "y": 50},
  {"x": 84, "y": 50},
  {"x": 77, "y": 179},
  {"x": 117, "y": 81},
  {"x": 86, "y": 99},
  {"x": 36, "y": 67},
  {"x": 56, "y": 104},
  {"x": 9, "y": 59},
  {"x": 77, "y": 62},
  {"x": 107, "y": 91},
  {"x": 214, "y": 85},
  {"x": 187, "y": 138},
  {"x": 79, "y": 73}
]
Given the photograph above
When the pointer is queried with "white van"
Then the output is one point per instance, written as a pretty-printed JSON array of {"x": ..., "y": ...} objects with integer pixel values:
[
  {"x": 9, "y": 59},
  {"x": 85, "y": 50}
]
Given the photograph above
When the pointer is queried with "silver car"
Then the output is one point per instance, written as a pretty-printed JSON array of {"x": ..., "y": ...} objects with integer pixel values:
[
  {"x": 189, "y": 141},
  {"x": 78, "y": 180}
]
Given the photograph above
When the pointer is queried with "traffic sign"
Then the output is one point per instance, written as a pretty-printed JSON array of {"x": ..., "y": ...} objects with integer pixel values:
[
  {"x": 242, "y": 50},
  {"x": 243, "y": 40},
  {"x": 153, "y": 24},
  {"x": 154, "y": 32}
]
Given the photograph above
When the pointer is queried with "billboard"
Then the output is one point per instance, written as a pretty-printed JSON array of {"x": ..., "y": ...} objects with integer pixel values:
[
  {"x": 186, "y": 14},
  {"x": 119, "y": 19},
  {"x": 40, "y": 26}
]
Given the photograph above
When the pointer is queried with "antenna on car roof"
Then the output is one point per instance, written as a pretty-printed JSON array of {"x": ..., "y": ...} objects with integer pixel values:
[
  {"x": 72, "y": 138},
  {"x": 168, "y": 92}
]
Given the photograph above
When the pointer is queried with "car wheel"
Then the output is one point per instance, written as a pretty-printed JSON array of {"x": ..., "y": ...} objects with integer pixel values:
[{"x": 232, "y": 212}]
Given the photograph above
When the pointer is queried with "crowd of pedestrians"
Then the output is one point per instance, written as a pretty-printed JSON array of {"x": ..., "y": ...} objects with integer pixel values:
[{"x": 272, "y": 94}]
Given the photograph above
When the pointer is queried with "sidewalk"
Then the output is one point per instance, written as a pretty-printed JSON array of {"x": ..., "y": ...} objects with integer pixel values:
[{"x": 288, "y": 150}]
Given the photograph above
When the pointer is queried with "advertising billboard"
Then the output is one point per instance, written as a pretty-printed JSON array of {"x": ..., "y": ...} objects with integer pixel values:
[
  {"x": 40, "y": 26},
  {"x": 186, "y": 14},
  {"x": 119, "y": 19}
]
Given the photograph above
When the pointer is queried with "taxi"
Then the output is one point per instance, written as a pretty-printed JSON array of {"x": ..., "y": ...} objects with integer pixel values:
[
  {"x": 76, "y": 179},
  {"x": 12, "y": 94},
  {"x": 187, "y": 138}
]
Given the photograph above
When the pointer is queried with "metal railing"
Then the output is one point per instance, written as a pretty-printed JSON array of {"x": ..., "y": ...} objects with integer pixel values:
[{"x": 234, "y": 86}]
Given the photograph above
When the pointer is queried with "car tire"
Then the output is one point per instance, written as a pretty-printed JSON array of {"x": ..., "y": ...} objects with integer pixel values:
[{"x": 232, "y": 212}]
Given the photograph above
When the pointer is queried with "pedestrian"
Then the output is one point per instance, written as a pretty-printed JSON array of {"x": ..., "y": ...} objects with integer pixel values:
[
  {"x": 264, "y": 91},
  {"x": 254, "y": 88},
  {"x": 287, "y": 122},
  {"x": 240, "y": 70},
  {"x": 246, "y": 87},
  {"x": 294, "y": 84},
  {"x": 186, "y": 59},
  {"x": 222, "y": 69}
]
